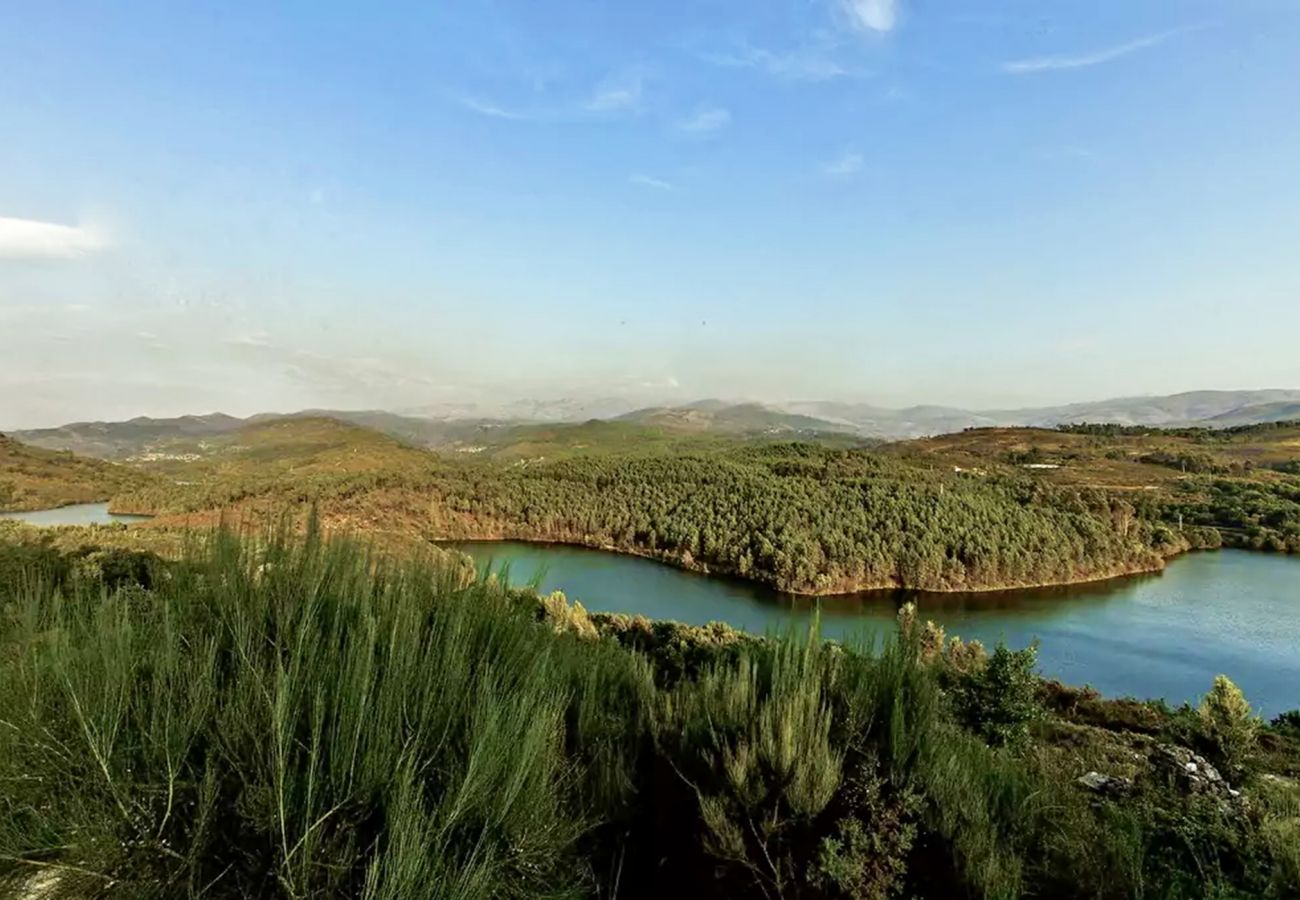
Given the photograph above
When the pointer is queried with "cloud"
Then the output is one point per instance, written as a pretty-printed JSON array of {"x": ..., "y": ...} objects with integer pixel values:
[
  {"x": 491, "y": 110},
  {"x": 30, "y": 239},
  {"x": 846, "y": 164},
  {"x": 617, "y": 94},
  {"x": 801, "y": 64},
  {"x": 651, "y": 182},
  {"x": 705, "y": 121},
  {"x": 621, "y": 93},
  {"x": 1083, "y": 60},
  {"x": 872, "y": 15}
]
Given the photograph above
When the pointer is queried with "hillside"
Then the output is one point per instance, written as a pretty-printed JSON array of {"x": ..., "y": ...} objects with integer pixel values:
[
  {"x": 151, "y": 440},
  {"x": 1116, "y": 457},
  {"x": 1242, "y": 482},
  {"x": 1283, "y": 411},
  {"x": 121, "y": 440},
  {"x": 283, "y": 449},
  {"x": 35, "y": 478},
  {"x": 738, "y": 419}
]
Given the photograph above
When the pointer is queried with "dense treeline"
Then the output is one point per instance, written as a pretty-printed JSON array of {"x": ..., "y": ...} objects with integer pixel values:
[
  {"x": 276, "y": 719},
  {"x": 1195, "y": 432},
  {"x": 1250, "y": 514},
  {"x": 811, "y": 519}
]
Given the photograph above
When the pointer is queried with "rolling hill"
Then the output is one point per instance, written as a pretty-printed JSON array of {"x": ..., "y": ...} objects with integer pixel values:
[
  {"x": 719, "y": 417},
  {"x": 121, "y": 440},
  {"x": 35, "y": 478},
  {"x": 1260, "y": 413}
]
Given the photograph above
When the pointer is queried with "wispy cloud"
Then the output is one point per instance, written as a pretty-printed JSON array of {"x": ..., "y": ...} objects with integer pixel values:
[
  {"x": 622, "y": 92},
  {"x": 619, "y": 94},
  {"x": 492, "y": 110},
  {"x": 651, "y": 182},
  {"x": 707, "y": 120},
  {"x": 845, "y": 164},
  {"x": 31, "y": 239},
  {"x": 1093, "y": 58},
  {"x": 872, "y": 15},
  {"x": 812, "y": 63}
]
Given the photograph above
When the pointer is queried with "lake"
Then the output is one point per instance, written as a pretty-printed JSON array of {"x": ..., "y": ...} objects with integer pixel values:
[
  {"x": 1167, "y": 635},
  {"x": 77, "y": 514}
]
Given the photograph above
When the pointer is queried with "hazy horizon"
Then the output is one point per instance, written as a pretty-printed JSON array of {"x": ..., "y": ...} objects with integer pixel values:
[
  {"x": 244, "y": 207},
  {"x": 596, "y": 406}
]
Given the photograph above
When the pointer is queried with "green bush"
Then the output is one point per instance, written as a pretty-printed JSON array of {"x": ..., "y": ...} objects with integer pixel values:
[
  {"x": 867, "y": 855},
  {"x": 1000, "y": 700},
  {"x": 1228, "y": 723},
  {"x": 1288, "y": 721}
]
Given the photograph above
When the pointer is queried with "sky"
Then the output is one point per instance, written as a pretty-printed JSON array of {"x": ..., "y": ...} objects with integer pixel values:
[{"x": 249, "y": 206}]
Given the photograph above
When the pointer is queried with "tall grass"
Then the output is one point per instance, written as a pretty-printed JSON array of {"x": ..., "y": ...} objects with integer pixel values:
[
  {"x": 301, "y": 718},
  {"x": 304, "y": 720}
]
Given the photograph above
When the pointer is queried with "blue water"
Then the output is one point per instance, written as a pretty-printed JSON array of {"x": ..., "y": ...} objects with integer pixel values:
[
  {"x": 78, "y": 514},
  {"x": 1167, "y": 635}
]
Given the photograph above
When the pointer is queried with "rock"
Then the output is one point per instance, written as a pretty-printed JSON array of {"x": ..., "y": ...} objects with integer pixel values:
[
  {"x": 1191, "y": 773},
  {"x": 1111, "y": 785}
]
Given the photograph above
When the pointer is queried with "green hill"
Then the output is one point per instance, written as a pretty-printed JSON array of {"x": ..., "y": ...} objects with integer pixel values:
[{"x": 36, "y": 478}]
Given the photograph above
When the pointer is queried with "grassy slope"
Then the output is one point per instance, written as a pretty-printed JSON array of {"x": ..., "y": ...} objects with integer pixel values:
[{"x": 35, "y": 478}]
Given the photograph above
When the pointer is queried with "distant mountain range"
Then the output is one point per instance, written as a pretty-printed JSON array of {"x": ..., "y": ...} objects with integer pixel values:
[
  {"x": 470, "y": 424},
  {"x": 1212, "y": 409}
]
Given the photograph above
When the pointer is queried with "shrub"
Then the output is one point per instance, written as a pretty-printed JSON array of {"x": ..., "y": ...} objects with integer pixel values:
[
  {"x": 1279, "y": 802},
  {"x": 1228, "y": 723},
  {"x": 866, "y": 857},
  {"x": 1000, "y": 699},
  {"x": 1289, "y": 722},
  {"x": 754, "y": 740}
]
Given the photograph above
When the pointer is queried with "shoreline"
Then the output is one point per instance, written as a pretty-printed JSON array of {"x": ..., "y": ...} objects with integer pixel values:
[{"x": 707, "y": 570}]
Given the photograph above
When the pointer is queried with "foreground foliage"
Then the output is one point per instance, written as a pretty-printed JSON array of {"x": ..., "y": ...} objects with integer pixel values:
[{"x": 286, "y": 719}]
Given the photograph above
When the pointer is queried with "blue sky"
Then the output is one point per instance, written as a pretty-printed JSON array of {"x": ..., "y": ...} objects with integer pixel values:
[{"x": 253, "y": 206}]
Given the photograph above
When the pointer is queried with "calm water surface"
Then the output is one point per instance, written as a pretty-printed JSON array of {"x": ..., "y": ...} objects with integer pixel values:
[
  {"x": 78, "y": 514},
  {"x": 1150, "y": 636}
]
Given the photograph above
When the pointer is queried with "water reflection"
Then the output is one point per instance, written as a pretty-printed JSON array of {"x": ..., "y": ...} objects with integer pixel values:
[{"x": 76, "y": 514}]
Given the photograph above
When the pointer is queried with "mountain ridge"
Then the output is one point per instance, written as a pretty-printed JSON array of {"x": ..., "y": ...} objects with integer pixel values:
[{"x": 1209, "y": 409}]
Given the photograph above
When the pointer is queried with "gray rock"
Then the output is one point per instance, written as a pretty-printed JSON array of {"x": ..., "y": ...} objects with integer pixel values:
[
  {"x": 1191, "y": 773},
  {"x": 1105, "y": 784}
]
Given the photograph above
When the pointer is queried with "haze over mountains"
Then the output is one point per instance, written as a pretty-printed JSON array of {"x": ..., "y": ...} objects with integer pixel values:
[{"x": 466, "y": 423}]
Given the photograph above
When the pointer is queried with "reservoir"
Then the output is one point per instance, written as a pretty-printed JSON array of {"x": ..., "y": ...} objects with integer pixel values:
[
  {"x": 77, "y": 514},
  {"x": 1232, "y": 612}
]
